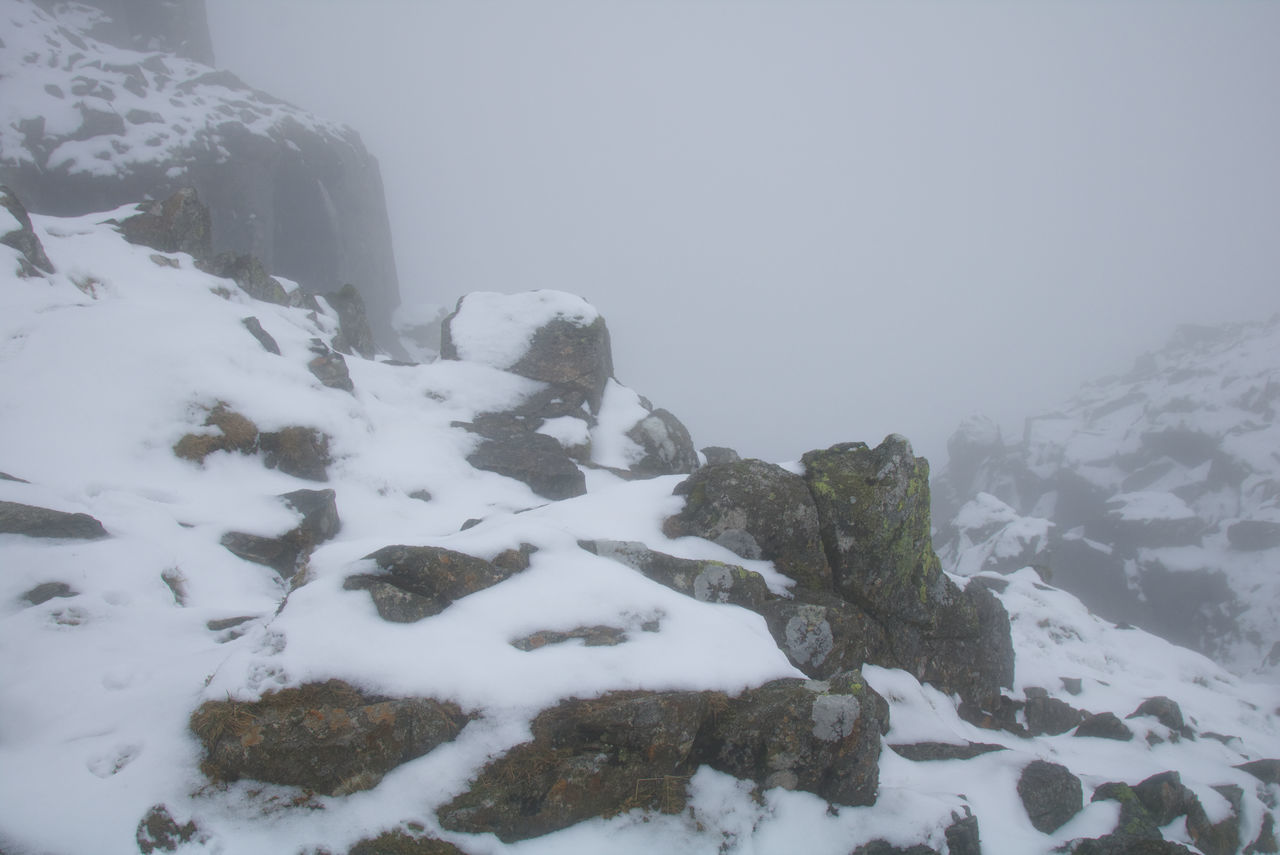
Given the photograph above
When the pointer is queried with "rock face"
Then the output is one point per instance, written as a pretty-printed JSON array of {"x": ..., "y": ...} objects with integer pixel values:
[
  {"x": 102, "y": 126},
  {"x": 637, "y": 749},
  {"x": 327, "y": 737},
  {"x": 1152, "y": 495}
]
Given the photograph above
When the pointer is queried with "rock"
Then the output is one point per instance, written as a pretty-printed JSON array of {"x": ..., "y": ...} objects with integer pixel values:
[
  {"x": 668, "y": 448},
  {"x": 1120, "y": 845},
  {"x": 400, "y": 843},
  {"x": 329, "y": 368},
  {"x": 299, "y": 451},
  {"x": 327, "y": 737},
  {"x": 1166, "y": 711},
  {"x": 927, "y": 752},
  {"x": 884, "y": 847},
  {"x": 1135, "y": 823},
  {"x": 1220, "y": 838},
  {"x": 536, "y": 460},
  {"x": 707, "y": 581},
  {"x": 354, "y": 333},
  {"x": 178, "y": 26},
  {"x": 637, "y": 749},
  {"x": 1267, "y": 771},
  {"x": 46, "y": 591},
  {"x": 762, "y": 501},
  {"x": 1104, "y": 726},
  {"x": 33, "y": 521},
  {"x": 254, "y": 326},
  {"x": 1253, "y": 535},
  {"x": 1049, "y": 716},
  {"x": 1050, "y": 794},
  {"x": 823, "y": 635},
  {"x": 180, "y": 223},
  {"x": 568, "y": 351},
  {"x": 1164, "y": 797},
  {"x": 24, "y": 239},
  {"x": 287, "y": 552},
  {"x": 235, "y": 433},
  {"x": 158, "y": 831},
  {"x": 588, "y": 758},
  {"x": 1266, "y": 839},
  {"x": 962, "y": 835},
  {"x": 590, "y": 636},
  {"x": 249, "y": 274},
  {"x": 717, "y": 455},
  {"x": 417, "y": 582},
  {"x": 873, "y": 505}
]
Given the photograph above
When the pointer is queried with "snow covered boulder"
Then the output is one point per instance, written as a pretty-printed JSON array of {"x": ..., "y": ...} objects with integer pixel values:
[
  {"x": 751, "y": 503},
  {"x": 667, "y": 446},
  {"x": 16, "y": 232},
  {"x": 17, "y": 518},
  {"x": 286, "y": 553},
  {"x": 707, "y": 581},
  {"x": 543, "y": 335},
  {"x": 327, "y": 737},
  {"x": 1050, "y": 794},
  {"x": 180, "y": 223},
  {"x": 417, "y": 582}
]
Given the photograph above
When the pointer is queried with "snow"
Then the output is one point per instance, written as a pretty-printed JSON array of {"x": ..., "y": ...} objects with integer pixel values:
[
  {"x": 99, "y": 379},
  {"x": 496, "y": 329},
  {"x": 1150, "y": 505}
]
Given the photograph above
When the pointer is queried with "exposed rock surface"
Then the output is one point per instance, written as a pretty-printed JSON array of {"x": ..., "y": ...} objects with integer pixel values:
[
  {"x": 417, "y": 582},
  {"x": 286, "y": 553},
  {"x": 1050, "y": 794},
  {"x": 637, "y": 749},
  {"x": 667, "y": 446},
  {"x": 32, "y": 260},
  {"x": 327, "y": 737},
  {"x": 17, "y": 518},
  {"x": 400, "y": 843},
  {"x": 1105, "y": 725},
  {"x": 708, "y": 581},
  {"x": 179, "y": 223},
  {"x": 299, "y": 451},
  {"x": 535, "y": 459}
]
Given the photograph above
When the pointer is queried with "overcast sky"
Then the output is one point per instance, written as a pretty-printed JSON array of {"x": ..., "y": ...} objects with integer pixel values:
[{"x": 809, "y": 222}]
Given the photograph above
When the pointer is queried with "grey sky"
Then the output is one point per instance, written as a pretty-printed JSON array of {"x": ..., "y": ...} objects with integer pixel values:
[{"x": 809, "y": 222}]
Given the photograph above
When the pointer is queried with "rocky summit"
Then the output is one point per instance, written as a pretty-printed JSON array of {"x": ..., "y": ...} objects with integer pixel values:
[{"x": 1153, "y": 495}]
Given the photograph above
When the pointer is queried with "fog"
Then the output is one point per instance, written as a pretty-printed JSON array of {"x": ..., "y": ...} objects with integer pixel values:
[{"x": 809, "y": 222}]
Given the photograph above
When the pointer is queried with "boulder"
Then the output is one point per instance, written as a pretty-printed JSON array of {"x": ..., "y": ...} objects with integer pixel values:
[
  {"x": 287, "y": 552},
  {"x": 354, "y": 333},
  {"x": 1049, "y": 716},
  {"x": 962, "y": 835},
  {"x": 416, "y": 582},
  {"x": 299, "y": 451},
  {"x": 234, "y": 433},
  {"x": 1104, "y": 725},
  {"x": 759, "y": 509},
  {"x": 590, "y": 636},
  {"x": 180, "y": 223},
  {"x": 667, "y": 446},
  {"x": 1216, "y": 838},
  {"x": 1254, "y": 535},
  {"x": 716, "y": 455},
  {"x": 823, "y": 635},
  {"x": 534, "y": 459},
  {"x": 32, "y": 521},
  {"x": 158, "y": 831},
  {"x": 249, "y": 274},
  {"x": 1266, "y": 839},
  {"x": 1166, "y": 711},
  {"x": 1050, "y": 794},
  {"x": 33, "y": 260},
  {"x": 401, "y": 843},
  {"x": 46, "y": 591},
  {"x": 708, "y": 581},
  {"x": 873, "y": 507},
  {"x": 329, "y": 367},
  {"x": 928, "y": 752},
  {"x": 254, "y": 326},
  {"x": 328, "y": 737},
  {"x": 1267, "y": 771}
]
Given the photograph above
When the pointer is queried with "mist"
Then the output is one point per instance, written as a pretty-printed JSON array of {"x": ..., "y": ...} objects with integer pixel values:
[{"x": 811, "y": 222}]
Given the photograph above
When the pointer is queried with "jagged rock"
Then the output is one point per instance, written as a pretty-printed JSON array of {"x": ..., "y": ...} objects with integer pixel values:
[
  {"x": 927, "y": 752},
  {"x": 637, "y": 749},
  {"x": 1267, "y": 771},
  {"x": 1253, "y": 535},
  {"x": 158, "y": 831},
  {"x": 180, "y": 223},
  {"x": 329, "y": 367},
  {"x": 1104, "y": 726},
  {"x": 708, "y": 581},
  {"x": 33, "y": 261},
  {"x": 249, "y": 274},
  {"x": 254, "y": 326},
  {"x": 1050, "y": 794},
  {"x": 568, "y": 351},
  {"x": 536, "y": 460},
  {"x": 400, "y": 843},
  {"x": 417, "y": 582},
  {"x": 299, "y": 451},
  {"x": 235, "y": 433},
  {"x": 285, "y": 553},
  {"x": 764, "y": 502},
  {"x": 717, "y": 455},
  {"x": 328, "y": 737},
  {"x": 668, "y": 448},
  {"x": 1166, "y": 711},
  {"x": 873, "y": 505},
  {"x": 590, "y": 636},
  {"x": 354, "y": 333},
  {"x": 46, "y": 591},
  {"x": 16, "y": 518},
  {"x": 1049, "y": 716}
]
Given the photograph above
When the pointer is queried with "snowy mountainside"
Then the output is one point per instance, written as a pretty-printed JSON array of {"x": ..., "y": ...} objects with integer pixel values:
[
  {"x": 1154, "y": 495},
  {"x": 129, "y": 381}
]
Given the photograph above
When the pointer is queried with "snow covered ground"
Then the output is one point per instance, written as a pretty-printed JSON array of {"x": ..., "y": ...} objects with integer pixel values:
[{"x": 106, "y": 364}]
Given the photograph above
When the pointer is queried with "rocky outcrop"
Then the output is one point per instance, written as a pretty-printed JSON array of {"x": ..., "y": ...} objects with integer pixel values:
[
  {"x": 101, "y": 126},
  {"x": 416, "y": 582},
  {"x": 32, "y": 521},
  {"x": 624, "y": 750},
  {"x": 327, "y": 737}
]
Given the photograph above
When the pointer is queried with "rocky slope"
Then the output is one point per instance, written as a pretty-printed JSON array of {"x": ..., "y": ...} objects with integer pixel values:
[
  {"x": 1154, "y": 496},
  {"x": 258, "y": 595},
  {"x": 117, "y": 101}
]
